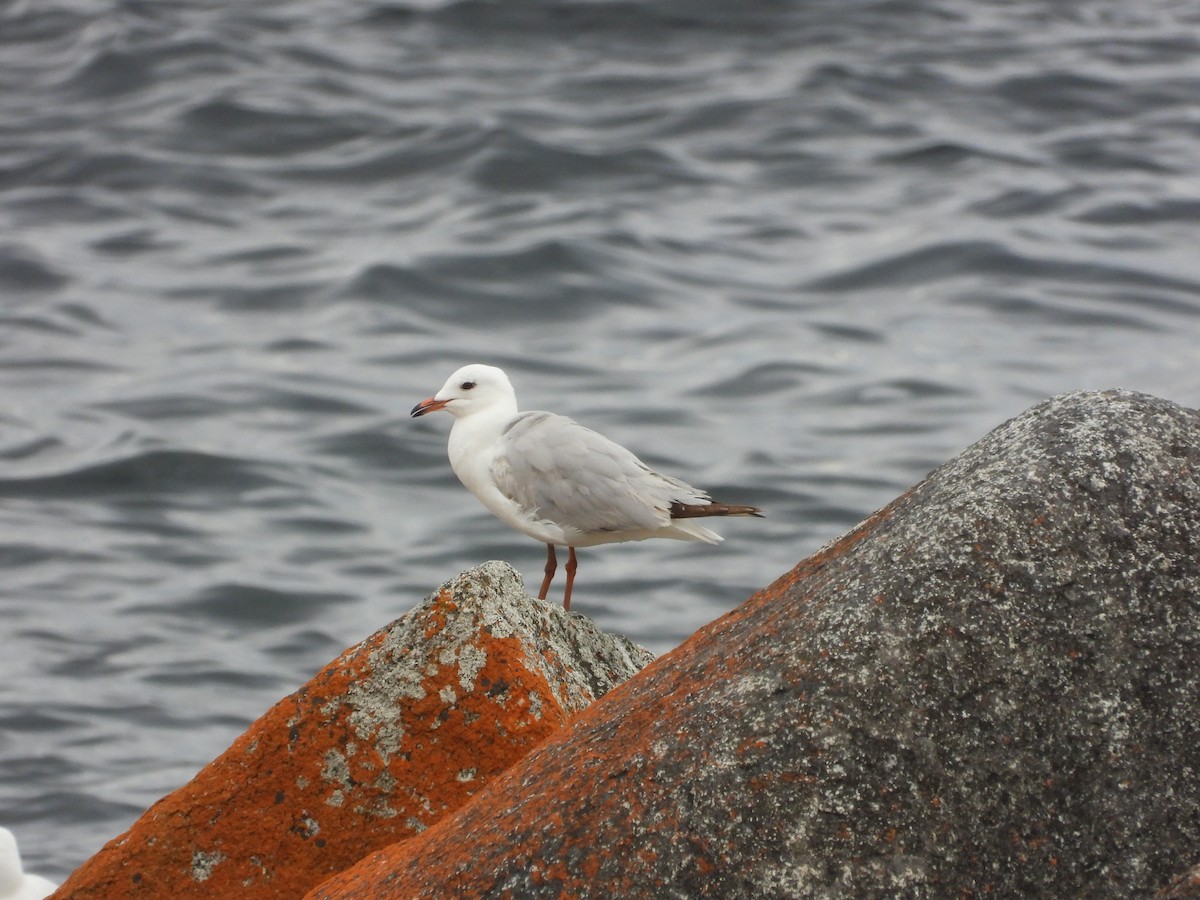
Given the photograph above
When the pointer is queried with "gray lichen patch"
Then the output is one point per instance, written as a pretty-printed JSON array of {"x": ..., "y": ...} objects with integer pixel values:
[
  {"x": 336, "y": 772},
  {"x": 204, "y": 863},
  {"x": 336, "y": 768},
  {"x": 536, "y": 704},
  {"x": 471, "y": 660},
  {"x": 415, "y": 825},
  {"x": 578, "y": 661}
]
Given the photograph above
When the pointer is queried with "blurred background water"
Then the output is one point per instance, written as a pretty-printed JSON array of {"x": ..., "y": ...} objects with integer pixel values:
[{"x": 797, "y": 253}]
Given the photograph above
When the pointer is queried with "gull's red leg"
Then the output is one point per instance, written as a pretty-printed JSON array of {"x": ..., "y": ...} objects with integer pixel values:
[
  {"x": 572, "y": 564},
  {"x": 551, "y": 565}
]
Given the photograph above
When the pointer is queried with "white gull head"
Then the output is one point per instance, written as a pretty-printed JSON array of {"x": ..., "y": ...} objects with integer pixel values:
[{"x": 472, "y": 389}]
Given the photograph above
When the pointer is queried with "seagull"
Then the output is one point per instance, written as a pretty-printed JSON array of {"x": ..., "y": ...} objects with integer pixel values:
[
  {"x": 563, "y": 484},
  {"x": 14, "y": 883}
]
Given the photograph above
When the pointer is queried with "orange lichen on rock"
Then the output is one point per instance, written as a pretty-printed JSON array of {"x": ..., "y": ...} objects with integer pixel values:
[{"x": 384, "y": 741}]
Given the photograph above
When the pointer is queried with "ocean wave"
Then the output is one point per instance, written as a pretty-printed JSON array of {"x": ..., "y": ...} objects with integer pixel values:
[{"x": 149, "y": 473}]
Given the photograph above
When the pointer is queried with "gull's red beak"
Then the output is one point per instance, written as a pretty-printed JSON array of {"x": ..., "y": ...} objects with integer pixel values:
[{"x": 427, "y": 406}]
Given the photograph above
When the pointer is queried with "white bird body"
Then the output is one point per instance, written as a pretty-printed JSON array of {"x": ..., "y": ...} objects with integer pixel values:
[
  {"x": 553, "y": 479},
  {"x": 14, "y": 883}
]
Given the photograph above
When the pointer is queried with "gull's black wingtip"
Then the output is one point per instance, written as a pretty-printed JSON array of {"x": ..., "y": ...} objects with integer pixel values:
[{"x": 680, "y": 510}]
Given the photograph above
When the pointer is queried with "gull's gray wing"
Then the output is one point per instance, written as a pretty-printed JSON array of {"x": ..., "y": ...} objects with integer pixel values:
[{"x": 558, "y": 470}]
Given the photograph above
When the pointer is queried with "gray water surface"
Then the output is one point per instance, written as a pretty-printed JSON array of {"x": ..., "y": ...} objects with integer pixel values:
[{"x": 796, "y": 253}]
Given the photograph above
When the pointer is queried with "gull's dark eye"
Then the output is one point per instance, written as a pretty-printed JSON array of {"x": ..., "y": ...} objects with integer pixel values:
[{"x": 467, "y": 385}]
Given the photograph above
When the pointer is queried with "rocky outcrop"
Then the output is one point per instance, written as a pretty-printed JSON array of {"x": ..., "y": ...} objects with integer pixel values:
[
  {"x": 989, "y": 687},
  {"x": 386, "y": 740}
]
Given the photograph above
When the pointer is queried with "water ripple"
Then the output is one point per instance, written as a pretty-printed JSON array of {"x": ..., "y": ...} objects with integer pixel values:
[
  {"x": 952, "y": 259},
  {"x": 229, "y": 126},
  {"x": 155, "y": 472}
]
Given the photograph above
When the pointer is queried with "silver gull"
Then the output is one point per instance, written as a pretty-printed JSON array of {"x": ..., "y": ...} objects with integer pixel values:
[{"x": 558, "y": 482}]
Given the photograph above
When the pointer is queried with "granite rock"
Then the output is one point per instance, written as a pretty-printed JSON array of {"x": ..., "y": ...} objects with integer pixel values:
[{"x": 989, "y": 687}]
